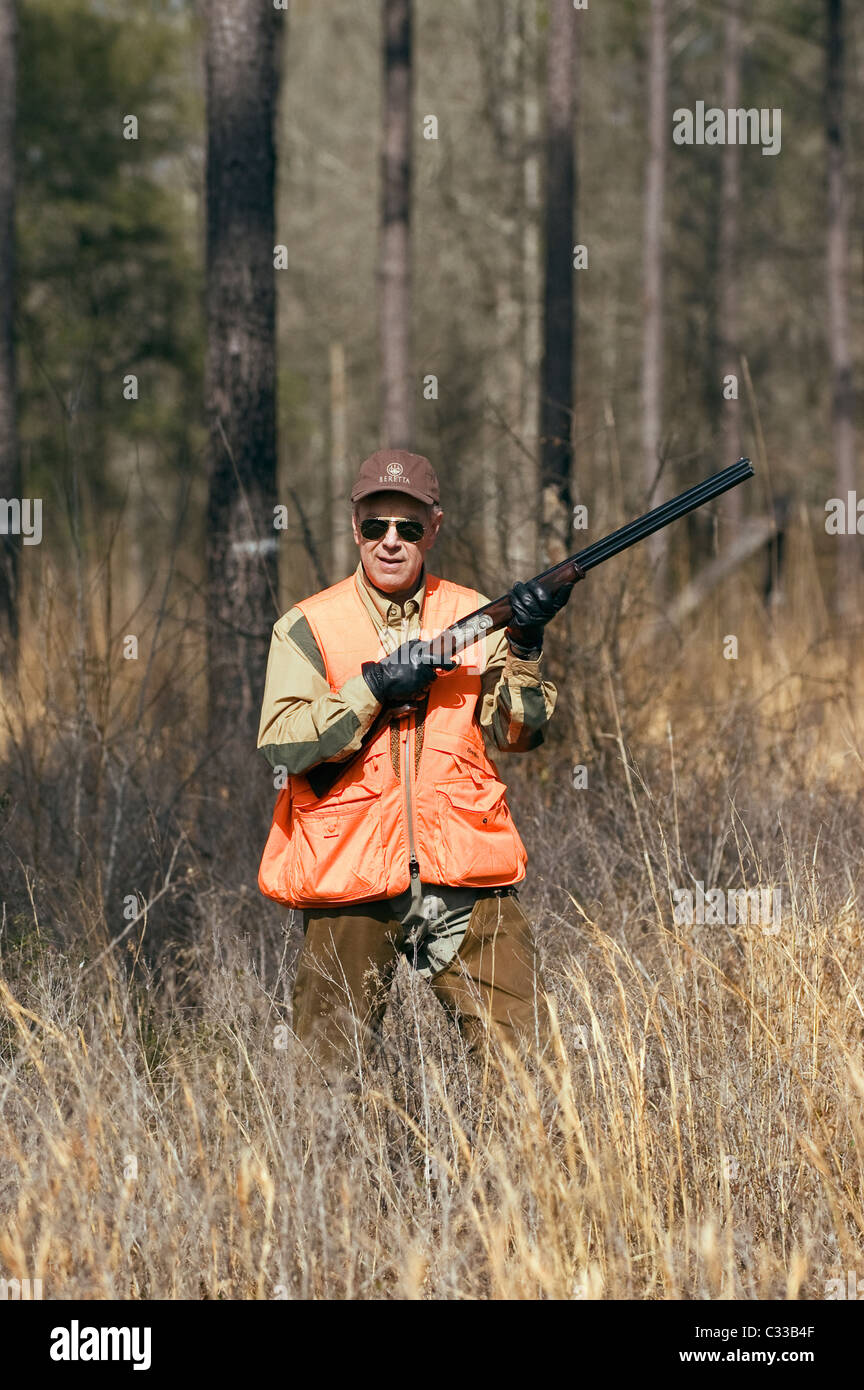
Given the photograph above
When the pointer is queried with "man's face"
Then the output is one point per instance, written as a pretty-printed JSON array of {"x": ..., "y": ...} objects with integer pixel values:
[{"x": 394, "y": 565}]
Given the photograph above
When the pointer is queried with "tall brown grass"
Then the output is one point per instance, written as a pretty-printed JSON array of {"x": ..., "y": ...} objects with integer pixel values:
[{"x": 694, "y": 1129}]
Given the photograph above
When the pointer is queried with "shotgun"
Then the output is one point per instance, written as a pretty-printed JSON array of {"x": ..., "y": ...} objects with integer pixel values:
[{"x": 498, "y": 613}]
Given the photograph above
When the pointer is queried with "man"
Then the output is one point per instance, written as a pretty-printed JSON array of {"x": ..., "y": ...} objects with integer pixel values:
[{"x": 413, "y": 850}]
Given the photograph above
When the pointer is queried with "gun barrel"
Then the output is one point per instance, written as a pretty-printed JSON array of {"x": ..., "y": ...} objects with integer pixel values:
[
  {"x": 497, "y": 614},
  {"x": 661, "y": 516}
]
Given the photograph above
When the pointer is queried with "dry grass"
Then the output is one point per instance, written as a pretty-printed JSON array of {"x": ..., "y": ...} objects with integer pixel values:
[{"x": 695, "y": 1129}]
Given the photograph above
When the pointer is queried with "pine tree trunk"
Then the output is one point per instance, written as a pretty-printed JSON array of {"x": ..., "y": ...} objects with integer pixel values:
[
  {"x": 394, "y": 264},
  {"x": 10, "y": 466},
  {"x": 842, "y": 396},
  {"x": 652, "y": 329},
  {"x": 522, "y": 488},
  {"x": 243, "y": 42},
  {"x": 556, "y": 380},
  {"x": 727, "y": 296},
  {"x": 343, "y": 550},
  {"x": 503, "y": 458}
]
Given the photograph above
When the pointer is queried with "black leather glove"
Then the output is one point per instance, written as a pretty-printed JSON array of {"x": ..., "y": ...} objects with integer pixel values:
[
  {"x": 533, "y": 607},
  {"x": 403, "y": 674}
]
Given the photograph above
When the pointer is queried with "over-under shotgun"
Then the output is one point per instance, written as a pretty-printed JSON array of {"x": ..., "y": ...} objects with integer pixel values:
[{"x": 498, "y": 613}]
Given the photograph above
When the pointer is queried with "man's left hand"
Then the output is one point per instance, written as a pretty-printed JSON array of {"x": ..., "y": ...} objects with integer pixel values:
[{"x": 533, "y": 607}]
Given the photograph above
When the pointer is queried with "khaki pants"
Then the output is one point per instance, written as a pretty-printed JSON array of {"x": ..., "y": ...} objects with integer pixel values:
[{"x": 350, "y": 954}]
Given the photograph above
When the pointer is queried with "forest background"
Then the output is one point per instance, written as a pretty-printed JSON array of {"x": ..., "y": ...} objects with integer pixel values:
[{"x": 241, "y": 247}]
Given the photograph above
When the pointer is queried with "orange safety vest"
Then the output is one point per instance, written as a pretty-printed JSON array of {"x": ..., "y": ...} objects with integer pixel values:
[{"x": 355, "y": 843}]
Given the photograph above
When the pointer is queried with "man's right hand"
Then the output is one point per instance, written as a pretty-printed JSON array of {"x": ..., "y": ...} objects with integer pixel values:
[{"x": 403, "y": 674}]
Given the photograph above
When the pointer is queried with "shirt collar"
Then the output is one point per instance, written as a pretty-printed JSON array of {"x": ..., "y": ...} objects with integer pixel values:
[{"x": 389, "y": 611}]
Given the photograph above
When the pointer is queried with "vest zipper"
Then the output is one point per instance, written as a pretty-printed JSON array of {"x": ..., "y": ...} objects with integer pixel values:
[
  {"x": 407, "y": 774},
  {"x": 408, "y": 770}
]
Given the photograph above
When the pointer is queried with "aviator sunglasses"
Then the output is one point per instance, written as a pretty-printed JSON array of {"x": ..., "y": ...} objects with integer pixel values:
[{"x": 374, "y": 528}]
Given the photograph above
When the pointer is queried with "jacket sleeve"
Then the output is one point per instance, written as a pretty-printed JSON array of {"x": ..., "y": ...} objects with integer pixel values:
[
  {"x": 516, "y": 703},
  {"x": 303, "y": 721}
]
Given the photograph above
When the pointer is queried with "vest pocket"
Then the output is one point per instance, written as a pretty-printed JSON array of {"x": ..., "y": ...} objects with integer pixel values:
[
  {"x": 336, "y": 850},
  {"x": 479, "y": 843}
]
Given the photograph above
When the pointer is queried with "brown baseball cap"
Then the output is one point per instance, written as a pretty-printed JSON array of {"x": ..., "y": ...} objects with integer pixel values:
[{"x": 396, "y": 470}]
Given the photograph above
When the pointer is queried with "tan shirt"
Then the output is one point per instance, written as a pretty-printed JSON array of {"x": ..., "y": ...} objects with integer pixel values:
[{"x": 304, "y": 722}]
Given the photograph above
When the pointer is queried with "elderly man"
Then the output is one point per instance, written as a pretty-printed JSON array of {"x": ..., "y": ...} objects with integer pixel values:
[{"x": 413, "y": 850}]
